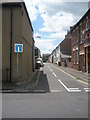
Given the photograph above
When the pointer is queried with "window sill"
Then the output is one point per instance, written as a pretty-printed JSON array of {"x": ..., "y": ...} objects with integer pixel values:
[{"x": 75, "y": 43}]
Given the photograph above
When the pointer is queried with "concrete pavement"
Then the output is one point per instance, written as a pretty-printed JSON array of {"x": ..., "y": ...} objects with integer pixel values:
[
  {"x": 85, "y": 77},
  {"x": 11, "y": 87}
]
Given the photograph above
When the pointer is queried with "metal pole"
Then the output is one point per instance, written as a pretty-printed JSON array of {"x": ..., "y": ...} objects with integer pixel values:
[{"x": 17, "y": 63}]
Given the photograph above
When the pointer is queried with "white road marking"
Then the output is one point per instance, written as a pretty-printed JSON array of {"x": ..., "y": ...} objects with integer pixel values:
[
  {"x": 73, "y": 88},
  {"x": 71, "y": 76},
  {"x": 50, "y": 68},
  {"x": 56, "y": 90},
  {"x": 87, "y": 89},
  {"x": 70, "y": 89},
  {"x": 54, "y": 74},
  {"x": 63, "y": 85}
]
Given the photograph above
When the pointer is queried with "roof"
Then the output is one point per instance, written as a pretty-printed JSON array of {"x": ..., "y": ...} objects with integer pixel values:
[
  {"x": 37, "y": 48},
  {"x": 65, "y": 56},
  {"x": 16, "y": 3},
  {"x": 10, "y": 1},
  {"x": 88, "y": 12}
]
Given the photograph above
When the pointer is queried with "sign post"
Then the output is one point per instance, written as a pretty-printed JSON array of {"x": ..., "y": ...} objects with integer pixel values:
[
  {"x": 18, "y": 48},
  {"x": 17, "y": 63}
]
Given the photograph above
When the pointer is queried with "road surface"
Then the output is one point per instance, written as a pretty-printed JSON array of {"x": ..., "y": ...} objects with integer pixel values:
[{"x": 56, "y": 95}]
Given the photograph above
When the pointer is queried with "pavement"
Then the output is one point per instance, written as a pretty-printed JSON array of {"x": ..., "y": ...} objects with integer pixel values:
[
  {"x": 85, "y": 77},
  {"x": 6, "y": 87}
]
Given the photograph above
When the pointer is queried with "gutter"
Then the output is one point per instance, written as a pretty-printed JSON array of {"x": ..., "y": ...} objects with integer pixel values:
[{"x": 11, "y": 46}]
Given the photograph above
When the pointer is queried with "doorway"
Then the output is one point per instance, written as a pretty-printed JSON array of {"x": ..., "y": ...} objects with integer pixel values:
[{"x": 89, "y": 59}]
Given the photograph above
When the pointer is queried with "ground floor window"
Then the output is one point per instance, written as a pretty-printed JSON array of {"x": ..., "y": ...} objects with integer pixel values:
[
  {"x": 74, "y": 57},
  {"x": 69, "y": 59},
  {"x": 77, "y": 56}
]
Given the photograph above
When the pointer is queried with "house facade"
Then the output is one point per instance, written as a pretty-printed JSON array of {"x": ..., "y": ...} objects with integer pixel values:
[
  {"x": 45, "y": 57},
  {"x": 37, "y": 53},
  {"x": 16, "y": 29},
  {"x": 65, "y": 51},
  {"x": 58, "y": 54},
  {"x": 81, "y": 44},
  {"x": 50, "y": 58},
  {"x": 54, "y": 57}
]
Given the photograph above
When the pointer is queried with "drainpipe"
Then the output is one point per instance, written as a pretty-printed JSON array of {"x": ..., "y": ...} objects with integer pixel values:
[
  {"x": 11, "y": 46},
  {"x": 79, "y": 49}
]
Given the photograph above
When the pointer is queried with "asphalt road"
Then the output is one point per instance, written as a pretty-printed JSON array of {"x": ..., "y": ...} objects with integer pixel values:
[{"x": 56, "y": 95}]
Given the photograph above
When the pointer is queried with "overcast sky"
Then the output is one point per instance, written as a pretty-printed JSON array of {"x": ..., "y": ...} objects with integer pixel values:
[{"x": 51, "y": 19}]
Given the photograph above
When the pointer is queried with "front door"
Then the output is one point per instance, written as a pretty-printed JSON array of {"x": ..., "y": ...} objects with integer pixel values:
[
  {"x": 89, "y": 59},
  {"x": 81, "y": 62},
  {"x": 86, "y": 59}
]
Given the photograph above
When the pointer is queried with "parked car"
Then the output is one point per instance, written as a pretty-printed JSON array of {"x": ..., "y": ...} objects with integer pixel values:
[{"x": 39, "y": 63}]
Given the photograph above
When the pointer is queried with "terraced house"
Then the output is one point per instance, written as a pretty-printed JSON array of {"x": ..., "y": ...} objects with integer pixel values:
[
  {"x": 17, "y": 65},
  {"x": 81, "y": 44},
  {"x": 65, "y": 51}
]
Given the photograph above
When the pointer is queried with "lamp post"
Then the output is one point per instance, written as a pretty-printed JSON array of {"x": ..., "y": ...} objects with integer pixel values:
[{"x": 33, "y": 51}]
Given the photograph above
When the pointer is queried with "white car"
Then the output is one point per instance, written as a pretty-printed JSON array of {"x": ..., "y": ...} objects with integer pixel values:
[{"x": 39, "y": 63}]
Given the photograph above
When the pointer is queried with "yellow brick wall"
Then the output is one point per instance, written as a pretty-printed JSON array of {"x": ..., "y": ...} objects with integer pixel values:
[
  {"x": 0, "y": 44},
  {"x": 5, "y": 41},
  {"x": 21, "y": 33}
]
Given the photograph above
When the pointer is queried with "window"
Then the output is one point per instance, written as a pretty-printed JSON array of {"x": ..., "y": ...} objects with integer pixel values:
[
  {"x": 80, "y": 33},
  {"x": 77, "y": 35},
  {"x": 69, "y": 59},
  {"x": 87, "y": 24},
  {"x": 74, "y": 37},
  {"x": 77, "y": 56},
  {"x": 74, "y": 57}
]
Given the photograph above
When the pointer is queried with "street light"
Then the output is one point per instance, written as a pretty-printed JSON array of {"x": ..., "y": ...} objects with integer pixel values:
[{"x": 37, "y": 36}]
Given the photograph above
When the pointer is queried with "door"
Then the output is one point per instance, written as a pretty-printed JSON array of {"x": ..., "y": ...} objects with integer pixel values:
[
  {"x": 89, "y": 59},
  {"x": 81, "y": 62},
  {"x": 86, "y": 59}
]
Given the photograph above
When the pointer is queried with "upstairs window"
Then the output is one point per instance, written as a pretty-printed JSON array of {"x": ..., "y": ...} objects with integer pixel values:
[
  {"x": 77, "y": 56},
  {"x": 87, "y": 24},
  {"x": 77, "y": 35},
  {"x": 74, "y": 37},
  {"x": 80, "y": 33},
  {"x": 74, "y": 57}
]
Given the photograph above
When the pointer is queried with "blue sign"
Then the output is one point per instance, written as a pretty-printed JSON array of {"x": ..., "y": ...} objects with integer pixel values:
[{"x": 18, "y": 48}]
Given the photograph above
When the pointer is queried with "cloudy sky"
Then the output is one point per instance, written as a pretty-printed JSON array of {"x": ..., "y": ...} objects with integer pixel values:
[{"x": 51, "y": 19}]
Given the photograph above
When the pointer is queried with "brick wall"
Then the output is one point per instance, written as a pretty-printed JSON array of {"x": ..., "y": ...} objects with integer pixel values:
[
  {"x": 65, "y": 45},
  {"x": 21, "y": 33},
  {"x": 78, "y": 45}
]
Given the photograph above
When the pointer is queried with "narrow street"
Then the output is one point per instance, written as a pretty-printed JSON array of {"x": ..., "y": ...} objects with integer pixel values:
[
  {"x": 55, "y": 95},
  {"x": 45, "y": 59}
]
